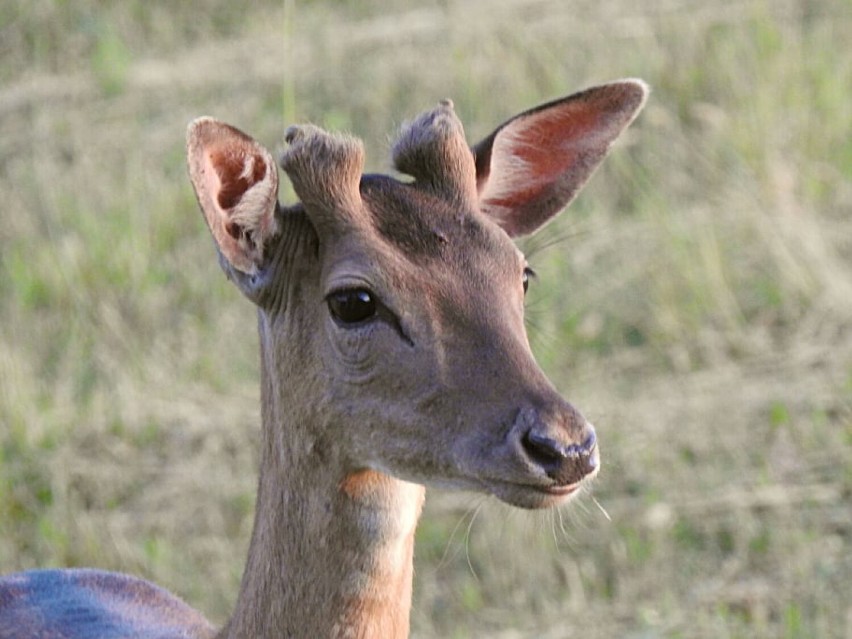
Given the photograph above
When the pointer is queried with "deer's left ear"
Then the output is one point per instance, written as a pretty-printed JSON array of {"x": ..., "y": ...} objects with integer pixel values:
[
  {"x": 533, "y": 165},
  {"x": 236, "y": 183}
]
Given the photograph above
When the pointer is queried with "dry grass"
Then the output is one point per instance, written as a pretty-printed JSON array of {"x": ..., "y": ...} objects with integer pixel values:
[{"x": 696, "y": 302}]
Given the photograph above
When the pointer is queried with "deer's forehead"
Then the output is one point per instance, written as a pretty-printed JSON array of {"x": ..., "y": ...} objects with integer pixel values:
[{"x": 425, "y": 228}]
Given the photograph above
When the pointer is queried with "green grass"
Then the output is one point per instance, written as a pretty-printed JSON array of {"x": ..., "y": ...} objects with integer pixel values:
[{"x": 695, "y": 302}]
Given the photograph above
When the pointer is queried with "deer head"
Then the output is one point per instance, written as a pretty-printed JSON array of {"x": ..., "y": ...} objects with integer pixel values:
[{"x": 392, "y": 310}]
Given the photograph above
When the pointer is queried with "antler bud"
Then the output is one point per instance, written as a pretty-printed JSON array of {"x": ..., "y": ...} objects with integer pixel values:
[
  {"x": 325, "y": 169},
  {"x": 432, "y": 149}
]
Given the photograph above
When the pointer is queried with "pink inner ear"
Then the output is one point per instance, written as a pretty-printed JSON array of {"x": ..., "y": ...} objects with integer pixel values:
[
  {"x": 237, "y": 173},
  {"x": 236, "y": 184},
  {"x": 531, "y": 167},
  {"x": 533, "y": 153}
]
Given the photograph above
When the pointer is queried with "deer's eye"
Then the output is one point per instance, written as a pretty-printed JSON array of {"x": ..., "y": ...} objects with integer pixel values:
[
  {"x": 528, "y": 274},
  {"x": 352, "y": 306}
]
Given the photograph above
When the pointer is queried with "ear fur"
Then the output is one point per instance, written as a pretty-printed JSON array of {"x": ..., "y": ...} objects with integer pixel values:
[
  {"x": 236, "y": 183},
  {"x": 534, "y": 164}
]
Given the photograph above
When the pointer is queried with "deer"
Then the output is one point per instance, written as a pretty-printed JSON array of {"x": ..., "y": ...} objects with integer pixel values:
[{"x": 393, "y": 355}]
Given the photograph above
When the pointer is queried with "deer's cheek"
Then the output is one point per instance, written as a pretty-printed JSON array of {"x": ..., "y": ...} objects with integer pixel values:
[
  {"x": 367, "y": 354},
  {"x": 352, "y": 355}
]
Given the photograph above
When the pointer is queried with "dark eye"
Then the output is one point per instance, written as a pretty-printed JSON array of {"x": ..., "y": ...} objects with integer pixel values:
[
  {"x": 352, "y": 306},
  {"x": 528, "y": 274}
]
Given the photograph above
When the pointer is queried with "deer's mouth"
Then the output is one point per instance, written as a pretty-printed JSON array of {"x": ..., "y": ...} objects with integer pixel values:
[
  {"x": 560, "y": 491},
  {"x": 534, "y": 496}
]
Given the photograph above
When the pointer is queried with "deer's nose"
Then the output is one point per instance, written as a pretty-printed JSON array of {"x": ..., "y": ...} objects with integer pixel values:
[{"x": 565, "y": 463}]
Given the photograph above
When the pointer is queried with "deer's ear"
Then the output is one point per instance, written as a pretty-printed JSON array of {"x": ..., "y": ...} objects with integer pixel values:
[
  {"x": 532, "y": 166},
  {"x": 236, "y": 183}
]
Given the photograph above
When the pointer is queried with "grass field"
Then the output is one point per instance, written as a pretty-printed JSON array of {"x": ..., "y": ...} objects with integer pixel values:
[{"x": 695, "y": 302}]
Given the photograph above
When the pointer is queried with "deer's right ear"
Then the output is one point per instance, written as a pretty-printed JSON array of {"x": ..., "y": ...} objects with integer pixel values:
[{"x": 236, "y": 183}]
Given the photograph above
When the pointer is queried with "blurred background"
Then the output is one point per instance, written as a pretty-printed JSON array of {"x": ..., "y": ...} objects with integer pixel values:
[{"x": 695, "y": 301}]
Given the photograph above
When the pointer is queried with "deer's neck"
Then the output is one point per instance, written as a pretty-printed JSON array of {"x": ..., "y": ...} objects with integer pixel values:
[{"x": 332, "y": 549}]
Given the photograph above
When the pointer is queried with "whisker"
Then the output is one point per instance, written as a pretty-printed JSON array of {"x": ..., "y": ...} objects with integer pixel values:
[
  {"x": 601, "y": 508},
  {"x": 562, "y": 524},
  {"x": 471, "y": 511},
  {"x": 535, "y": 245},
  {"x": 553, "y": 516},
  {"x": 467, "y": 539}
]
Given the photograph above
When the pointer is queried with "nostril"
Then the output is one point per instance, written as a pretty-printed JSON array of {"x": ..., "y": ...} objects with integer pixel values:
[
  {"x": 566, "y": 463},
  {"x": 543, "y": 448},
  {"x": 552, "y": 449}
]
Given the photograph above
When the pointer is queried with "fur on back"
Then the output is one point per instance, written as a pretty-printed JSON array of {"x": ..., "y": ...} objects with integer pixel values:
[{"x": 93, "y": 604}]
